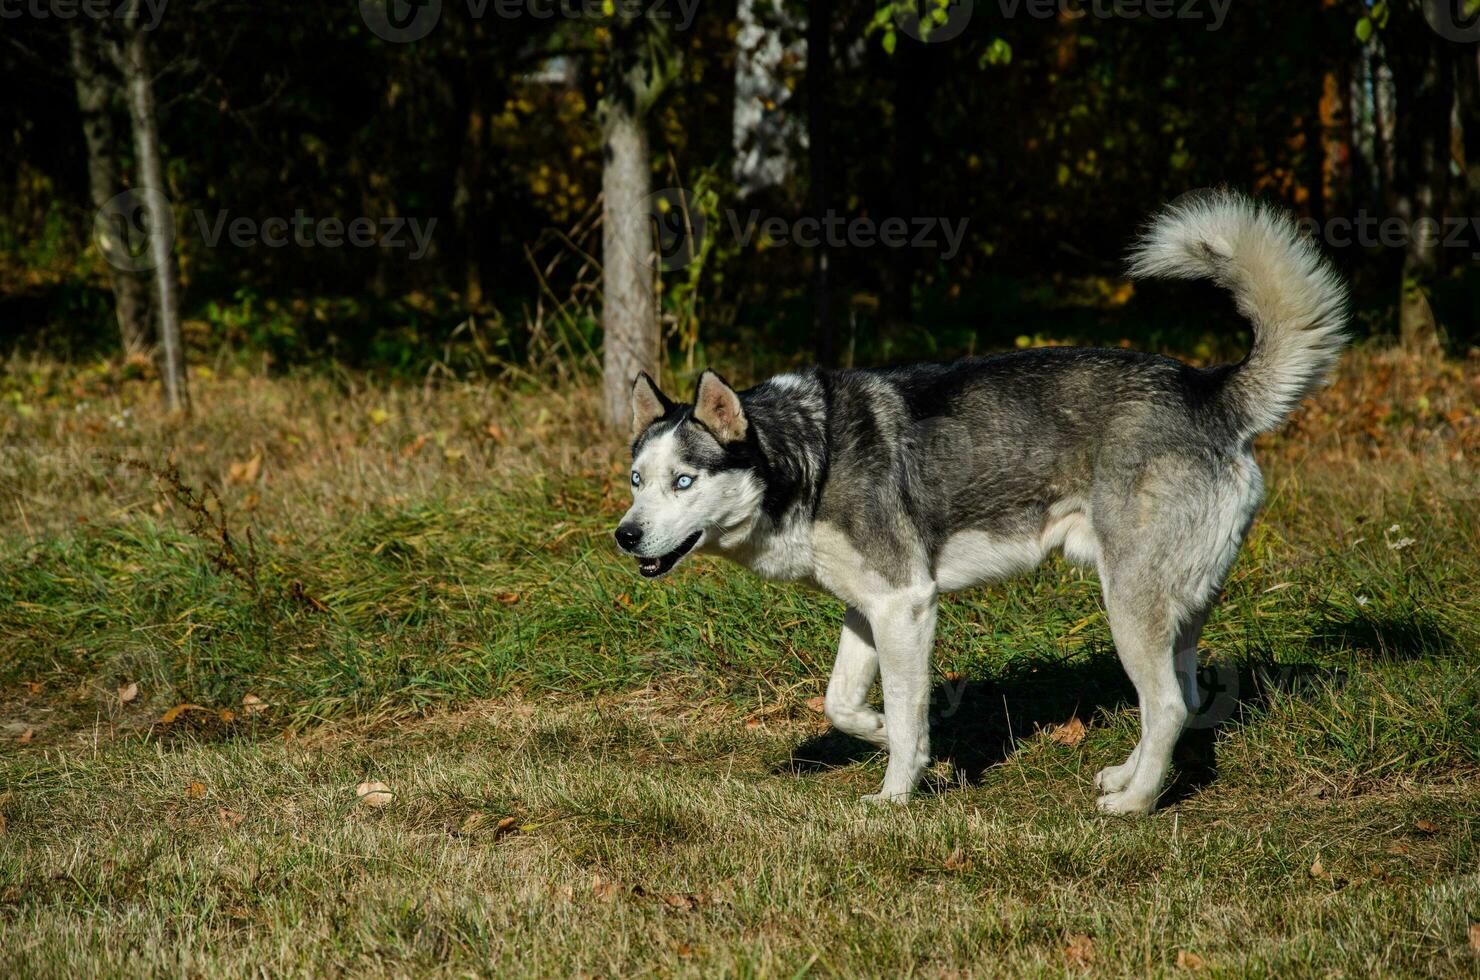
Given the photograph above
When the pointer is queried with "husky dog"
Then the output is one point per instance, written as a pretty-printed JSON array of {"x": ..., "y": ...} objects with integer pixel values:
[{"x": 888, "y": 487}]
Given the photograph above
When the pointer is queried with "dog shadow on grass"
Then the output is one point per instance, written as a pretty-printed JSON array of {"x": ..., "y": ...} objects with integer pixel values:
[{"x": 978, "y": 724}]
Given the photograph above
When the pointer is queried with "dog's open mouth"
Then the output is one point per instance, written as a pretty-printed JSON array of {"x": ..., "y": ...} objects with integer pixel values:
[{"x": 653, "y": 567}]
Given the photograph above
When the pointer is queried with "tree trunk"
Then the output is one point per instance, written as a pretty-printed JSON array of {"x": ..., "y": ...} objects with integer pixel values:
[
  {"x": 629, "y": 316},
  {"x": 819, "y": 84},
  {"x": 139, "y": 82},
  {"x": 912, "y": 87},
  {"x": 1424, "y": 81},
  {"x": 1467, "y": 83},
  {"x": 468, "y": 180},
  {"x": 95, "y": 103}
]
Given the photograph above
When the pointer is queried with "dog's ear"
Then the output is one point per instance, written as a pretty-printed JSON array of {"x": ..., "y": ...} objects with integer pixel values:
[
  {"x": 718, "y": 407},
  {"x": 648, "y": 403}
]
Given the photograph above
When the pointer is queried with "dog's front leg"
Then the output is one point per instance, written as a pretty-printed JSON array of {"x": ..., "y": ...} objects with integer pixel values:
[
  {"x": 852, "y": 677},
  {"x": 904, "y": 632}
]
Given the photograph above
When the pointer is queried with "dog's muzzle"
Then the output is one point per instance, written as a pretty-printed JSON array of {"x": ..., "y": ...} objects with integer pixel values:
[{"x": 628, "y": 538}]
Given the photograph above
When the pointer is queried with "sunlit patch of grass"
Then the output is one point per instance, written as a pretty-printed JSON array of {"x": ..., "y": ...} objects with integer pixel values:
[{"x": 607, "y": 836}]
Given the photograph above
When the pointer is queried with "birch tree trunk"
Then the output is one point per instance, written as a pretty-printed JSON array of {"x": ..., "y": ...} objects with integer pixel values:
[
  {"x": 643, "y": 64},
  {"x": 139, "y": 82},
  {"x": 95, "y": 103},
  {"x": 629, "y": 316}
]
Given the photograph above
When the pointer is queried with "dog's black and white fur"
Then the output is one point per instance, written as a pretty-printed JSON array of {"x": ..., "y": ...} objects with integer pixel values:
[{"x": 889, "y": 487}]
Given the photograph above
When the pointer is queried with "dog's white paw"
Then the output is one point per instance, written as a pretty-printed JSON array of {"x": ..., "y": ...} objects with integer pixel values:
[
  {"x": 1113, "y": 779},
  {"x": 1125, "y": 804},
  {"x": 876, "y": 799}
]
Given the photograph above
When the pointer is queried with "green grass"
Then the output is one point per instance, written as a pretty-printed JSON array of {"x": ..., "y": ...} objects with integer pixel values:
[
  {"x": 671, "y": 837},
  {"x": 434, "y": 603}
]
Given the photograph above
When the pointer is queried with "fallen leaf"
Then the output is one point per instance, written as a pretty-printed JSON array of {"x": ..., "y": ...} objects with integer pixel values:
[
  {"x": 2, "y": 831},
  {"x": 1080, "y": 951},
  {"x": 253, "y": 705},
  {"x": 1427, "y": 826},
  {"x": 958, "y": 861},
  {"x": 35, "y": 686},
  {"x": 507, "y": 598},
  {"x": 1070, "y": 733},
  {"x": 505, "y": 826},
  {"x": 1189, "y": 960},
  {"x": 818, "y": 704},
  {"x": 1474, "y": 926},
  {"x": 1318, "y": 870},
  {"x": 195, "y": 790},
  {"x": 25, "y": 737},
  {"x": 606, "y": 891},
  {"x": 229, "y": 817},
  {"x": 471, "y": 823},
  {"x": 954, "y": 676},
  {"x": 226, "y": 715},
  {"x": 173, "y": 715},
  {"x": 245, "y": 472},
  {"x": 684, "y": 903},
  {"x": 128, "y": 692},
  {"x": 373, "y": 793}
]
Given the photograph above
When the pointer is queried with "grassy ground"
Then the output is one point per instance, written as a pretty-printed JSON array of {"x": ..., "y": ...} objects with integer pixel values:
[{"x": 594, "y": 774}]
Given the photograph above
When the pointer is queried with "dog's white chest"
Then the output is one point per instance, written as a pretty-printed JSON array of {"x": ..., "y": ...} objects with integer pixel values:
[{"x": 782, "y": 553}]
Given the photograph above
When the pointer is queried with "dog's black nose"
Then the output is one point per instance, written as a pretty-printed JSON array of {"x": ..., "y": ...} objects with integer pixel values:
[{"x": 628, "y": 535}]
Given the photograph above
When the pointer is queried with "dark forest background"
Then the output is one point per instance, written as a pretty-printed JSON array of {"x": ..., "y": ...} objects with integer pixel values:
[{"x": 1051, "y": 136}]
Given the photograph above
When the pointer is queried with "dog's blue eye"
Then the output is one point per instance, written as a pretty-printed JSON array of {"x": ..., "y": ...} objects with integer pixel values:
[
  {"x": 636, "y": 479},
  {"x": 683, "y": 482}
]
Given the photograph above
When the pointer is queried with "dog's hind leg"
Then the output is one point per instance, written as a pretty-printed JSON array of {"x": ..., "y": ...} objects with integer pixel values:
[
  {"x": 904, "y": 632},
  {"x": 1113, "y": 779},
  {"x": 1186, "y": 653},
  {"x": 1142, "y": 627},
  {"x": 852, "y": 677}
]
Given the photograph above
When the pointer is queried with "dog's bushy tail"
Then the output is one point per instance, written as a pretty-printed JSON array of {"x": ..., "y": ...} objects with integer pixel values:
[{"x": 1291, "y": 294}]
